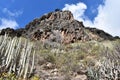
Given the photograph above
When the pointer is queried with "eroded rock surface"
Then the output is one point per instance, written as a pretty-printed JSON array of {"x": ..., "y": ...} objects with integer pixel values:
[{"x": 60, "y": 27}]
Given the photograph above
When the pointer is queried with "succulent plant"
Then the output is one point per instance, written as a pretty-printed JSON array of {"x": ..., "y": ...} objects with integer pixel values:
[{"x": 15, "y": 56}]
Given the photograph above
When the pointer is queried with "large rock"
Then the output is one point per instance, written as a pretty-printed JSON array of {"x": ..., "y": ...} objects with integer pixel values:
[{"x": 9, "y": 31}]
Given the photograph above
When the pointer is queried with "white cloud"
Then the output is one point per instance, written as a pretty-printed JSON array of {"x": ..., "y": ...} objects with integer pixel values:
[
  {"x": 8, "y": 23},
  {"x": 10, "y": 20},
  {"x": 107, "y": 18},
  {"x": 77, "y": 10},
  {"x": 12, "y": 14}
]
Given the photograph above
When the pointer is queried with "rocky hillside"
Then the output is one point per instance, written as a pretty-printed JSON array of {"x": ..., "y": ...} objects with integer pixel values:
[
  {"x": 58, "y": 26},
  {"x": 36, "y": 52}
]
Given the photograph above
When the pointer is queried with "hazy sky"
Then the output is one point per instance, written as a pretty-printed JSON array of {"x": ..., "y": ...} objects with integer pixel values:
[{"x": 102, "y": 14}]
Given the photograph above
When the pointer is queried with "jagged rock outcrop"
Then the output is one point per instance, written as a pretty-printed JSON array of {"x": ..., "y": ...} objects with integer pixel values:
[
  {"x": 100, "y": 33},
  {"x": 58, "y": 26},
  {"x": 11, "y": 32}
]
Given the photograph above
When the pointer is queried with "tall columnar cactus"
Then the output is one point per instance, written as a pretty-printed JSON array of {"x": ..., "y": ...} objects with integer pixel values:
[
  {"x": 109, "y": 68},
  {"x": 15, "y": 56}
]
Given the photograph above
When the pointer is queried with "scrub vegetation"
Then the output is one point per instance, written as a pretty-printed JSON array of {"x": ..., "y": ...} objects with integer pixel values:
[{"x": 24, "y": 59}]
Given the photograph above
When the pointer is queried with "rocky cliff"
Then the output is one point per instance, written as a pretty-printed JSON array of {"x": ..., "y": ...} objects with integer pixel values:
[
  {"x": 93, "y": 60},
  {"x": 58, "y": 26}
]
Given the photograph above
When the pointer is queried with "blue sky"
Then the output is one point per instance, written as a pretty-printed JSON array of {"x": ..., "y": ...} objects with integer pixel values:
[{"x": 94, "y": 13}]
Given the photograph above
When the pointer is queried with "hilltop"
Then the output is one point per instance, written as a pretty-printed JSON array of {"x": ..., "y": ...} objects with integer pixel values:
[{"x": 59, "y": 26}]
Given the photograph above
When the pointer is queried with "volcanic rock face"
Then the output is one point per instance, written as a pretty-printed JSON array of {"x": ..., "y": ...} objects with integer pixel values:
[
  {"x": 59, "y": 26},
  {"x": 11, "y": 32}
]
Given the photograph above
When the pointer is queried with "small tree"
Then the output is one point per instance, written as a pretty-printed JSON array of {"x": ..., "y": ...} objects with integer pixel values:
[{"x": 57, "y": 10}]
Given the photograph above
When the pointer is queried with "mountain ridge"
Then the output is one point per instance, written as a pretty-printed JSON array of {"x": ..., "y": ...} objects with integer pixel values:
[{"x": 59, "y": 26}]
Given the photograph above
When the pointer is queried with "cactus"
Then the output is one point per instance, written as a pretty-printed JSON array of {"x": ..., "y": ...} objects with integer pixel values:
[
  {"x": 109, "y": 68},
  {"x": 15, "y": 56}
]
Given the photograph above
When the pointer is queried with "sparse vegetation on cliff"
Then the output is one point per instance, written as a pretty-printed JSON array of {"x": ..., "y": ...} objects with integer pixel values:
[{"x": 57, "y": 47}]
